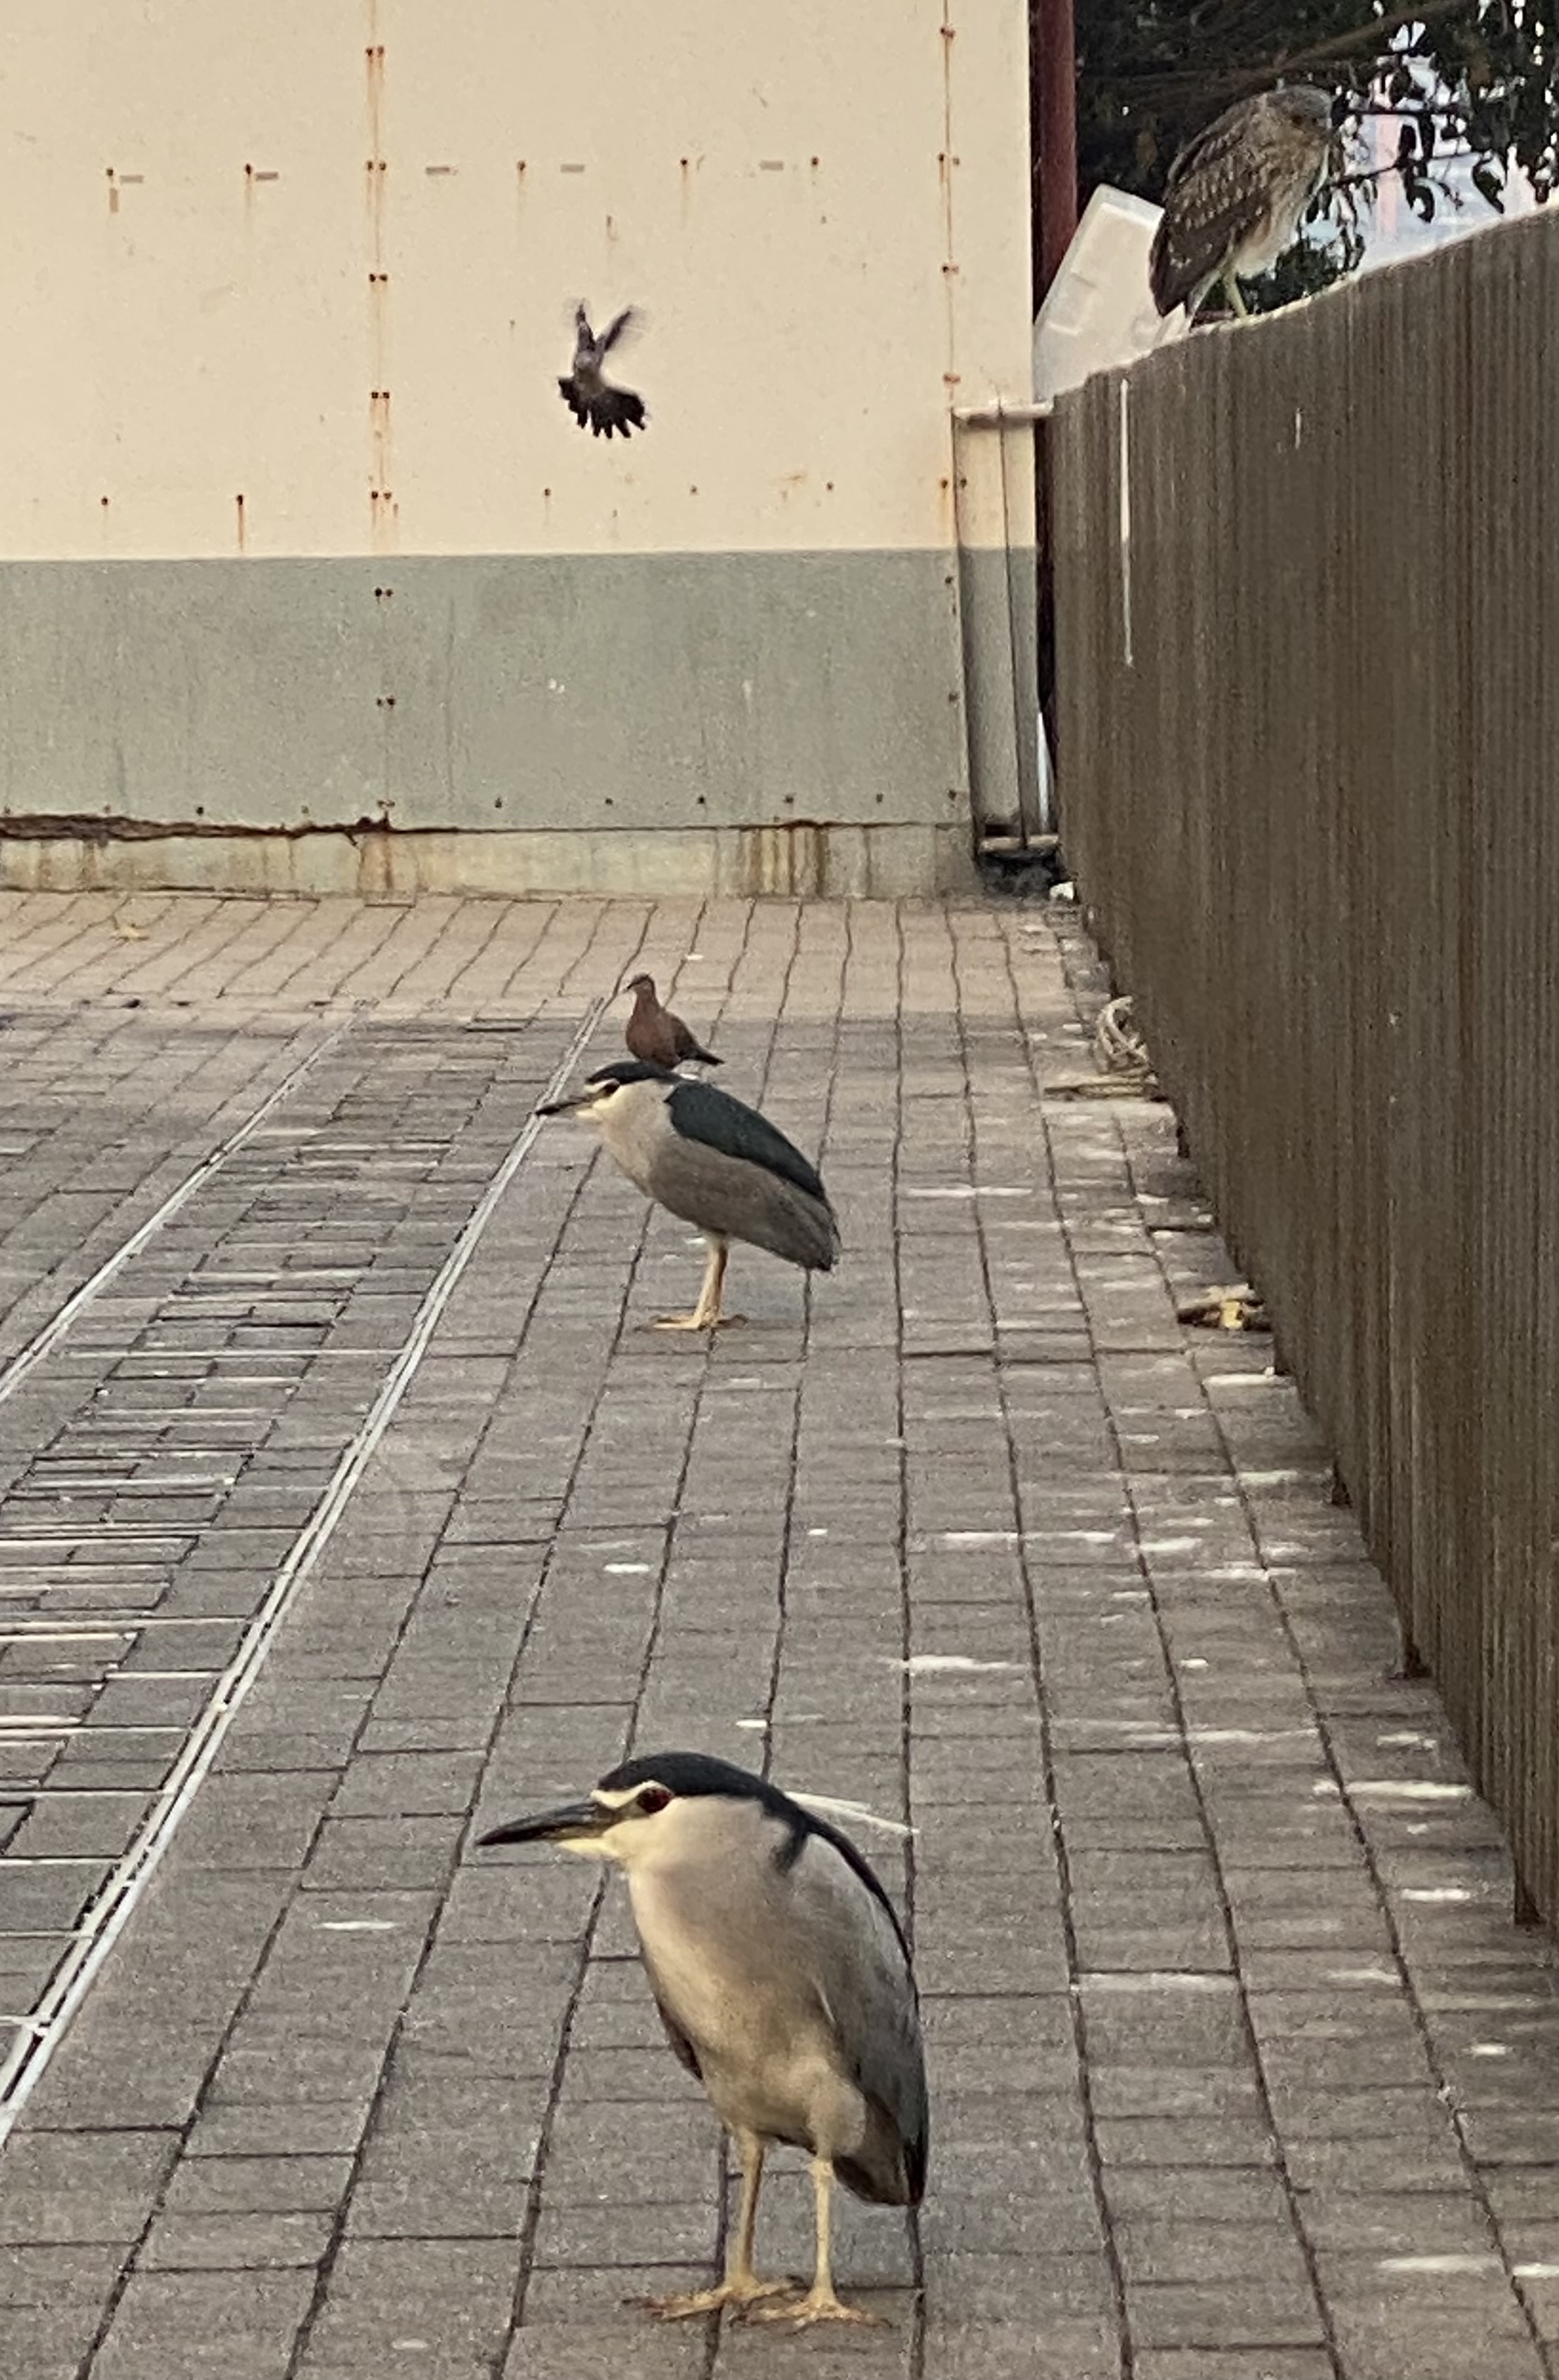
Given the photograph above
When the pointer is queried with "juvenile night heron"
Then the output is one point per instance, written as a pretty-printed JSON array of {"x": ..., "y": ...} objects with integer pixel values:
[
  {"x": 717, "y": 1163},
  {"x": 1236, "y": 195},
  {"x": 782, "y": 1980},
  {"x": 657, "y": 1036}
]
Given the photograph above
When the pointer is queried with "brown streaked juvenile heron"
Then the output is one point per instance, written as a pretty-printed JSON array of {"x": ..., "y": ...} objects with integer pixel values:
[
  {"x": 656, "y": 1035},
  {"x": 782, "y": 1980},
  {"x": 1236, "y": 195},
  {"x": 716, "y": 1162}
]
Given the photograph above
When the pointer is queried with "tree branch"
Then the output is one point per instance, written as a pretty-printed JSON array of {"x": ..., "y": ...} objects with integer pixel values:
[
  {"x": 1375, "y": 34},
  {"x": 1234, "y": 81}
]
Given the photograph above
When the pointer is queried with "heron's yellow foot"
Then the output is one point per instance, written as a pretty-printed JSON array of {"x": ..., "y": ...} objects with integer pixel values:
[
  {"x": 740, "y": 2290},
  {"x": 818, "y": 2306},
  {"x": 695, "y": 1321}
]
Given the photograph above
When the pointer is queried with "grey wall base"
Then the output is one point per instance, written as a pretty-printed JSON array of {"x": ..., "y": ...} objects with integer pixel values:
[
  {"x": 677, "y": 723},
  {"x": 815, "y": 859},
  {"x": 487, "y": 691}
]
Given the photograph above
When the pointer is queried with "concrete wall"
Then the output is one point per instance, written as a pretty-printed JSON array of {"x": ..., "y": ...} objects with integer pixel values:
[{"x": 295, "y": 533}]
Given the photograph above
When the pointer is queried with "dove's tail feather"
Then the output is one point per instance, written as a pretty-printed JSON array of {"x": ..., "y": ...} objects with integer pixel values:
[
  {"x": 616, "y": 409},
  {"x": 608, "y": 411}
]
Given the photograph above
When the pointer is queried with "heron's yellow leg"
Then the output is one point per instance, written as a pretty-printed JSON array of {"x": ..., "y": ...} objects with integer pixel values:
[
  {"x": 706, "y": 1315},
  {"x": 819, "y": 2304},
  {"x": 741, "y": 2286}
]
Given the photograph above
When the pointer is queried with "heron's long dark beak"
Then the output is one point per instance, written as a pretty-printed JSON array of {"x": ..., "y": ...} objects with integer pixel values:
[
  {"x": 562, "y": 1107},
  {"x": 560, "y": 1826}
]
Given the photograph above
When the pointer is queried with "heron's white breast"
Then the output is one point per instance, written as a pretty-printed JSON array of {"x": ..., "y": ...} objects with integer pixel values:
[{"x": 634, "y": 1125}]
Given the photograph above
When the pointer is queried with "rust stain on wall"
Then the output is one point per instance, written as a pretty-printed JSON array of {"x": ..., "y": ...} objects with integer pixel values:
[
  {"x": 787, "y": 858},
  {"x": 382, "y": 511}
]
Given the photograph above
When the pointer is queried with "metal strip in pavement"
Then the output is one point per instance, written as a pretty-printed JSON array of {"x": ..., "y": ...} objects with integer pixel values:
[
  {"x": 45, "y": 1341},
  {"x": 25, "y": 2065}
]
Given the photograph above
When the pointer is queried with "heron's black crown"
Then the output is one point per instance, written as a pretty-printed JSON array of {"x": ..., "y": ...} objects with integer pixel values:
[
  {"x": 632, "y": 1070},
  {"x": 689, "y": 1773}
]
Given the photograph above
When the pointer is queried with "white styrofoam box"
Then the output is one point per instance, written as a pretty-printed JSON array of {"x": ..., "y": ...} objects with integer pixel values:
[{"x": 1098, "y": 313}]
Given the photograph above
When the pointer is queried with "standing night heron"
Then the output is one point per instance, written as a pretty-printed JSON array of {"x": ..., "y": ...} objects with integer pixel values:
[
  {"x": 782, "y": 1980},
  {"x": 1236, "y": 195},
  {"x": 717, "y": 1163}
]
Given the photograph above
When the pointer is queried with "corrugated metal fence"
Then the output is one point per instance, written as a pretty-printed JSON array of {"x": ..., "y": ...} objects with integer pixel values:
[{"x": 1308, "y": 613}]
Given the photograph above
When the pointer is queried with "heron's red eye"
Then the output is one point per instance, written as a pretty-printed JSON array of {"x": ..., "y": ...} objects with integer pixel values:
[{"x": 653, "y": 1798}]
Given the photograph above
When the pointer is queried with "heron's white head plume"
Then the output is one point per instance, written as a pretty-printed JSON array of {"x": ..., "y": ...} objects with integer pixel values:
[{"x": 853, "y": 1813}]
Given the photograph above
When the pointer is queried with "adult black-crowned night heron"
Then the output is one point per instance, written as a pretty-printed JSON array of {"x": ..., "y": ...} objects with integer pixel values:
[
  {"x": 657, "y": 1036},
  {"x": 717, "y": 1163},
  {"x": 586, "y": 390},
  {"x": 1236, "y": 195},
  {"x": 782, "y": 1980}
]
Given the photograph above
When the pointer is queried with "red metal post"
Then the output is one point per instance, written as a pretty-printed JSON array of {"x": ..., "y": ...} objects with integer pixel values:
[{"x": 1055, "y": 86}]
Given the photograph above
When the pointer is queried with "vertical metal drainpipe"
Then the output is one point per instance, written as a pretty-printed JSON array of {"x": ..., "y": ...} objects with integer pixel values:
[
  {"x": 1053, "y": 78},
  {"x": 1053, "y": 81}
]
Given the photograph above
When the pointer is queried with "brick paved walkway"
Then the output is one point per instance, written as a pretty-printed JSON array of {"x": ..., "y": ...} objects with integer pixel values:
[{"x": 1240, "y": 2069}]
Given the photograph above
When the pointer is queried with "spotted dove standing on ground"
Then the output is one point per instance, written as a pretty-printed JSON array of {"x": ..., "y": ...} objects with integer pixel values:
[{"x": 656, "y": 1036}]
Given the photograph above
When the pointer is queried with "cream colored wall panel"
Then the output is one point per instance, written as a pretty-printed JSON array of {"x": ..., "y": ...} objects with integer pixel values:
[
  {"x": 771, "y": 189},
  {"x": 192, "y": 331},
  {"x": 235, "y": 375},
  {"x": 989, "y": 122},
  {"x": 767, "y": 429},
  {"x": 54, "y": 232},
  {"x": 795, "y": 338}
]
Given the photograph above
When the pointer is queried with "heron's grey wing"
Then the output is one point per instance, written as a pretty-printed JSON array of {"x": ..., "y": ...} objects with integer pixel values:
[
  {"x": 731, "y": 1195},
  {"x": 858, "y": 1966},
  {"x": 700, "y": 1113}
]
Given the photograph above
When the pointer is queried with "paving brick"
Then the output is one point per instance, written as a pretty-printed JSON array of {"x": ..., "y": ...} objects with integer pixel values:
[
  {"x": 193, "y": 2243},
  {"x": 453, "y": 2156},
  {"x": 257, "y": 2185},
  {"x": 602, "y": 2350},
  {"x": 1235, "y": 2364},
  {"x": 1206, "y": 2195},
  {"x": 1014, "y": 2350},
  {"x": 453, "y": 2296},
  {"x": 1167, "y": 2245},
  {"x": 49, "y": 2341},
  {"x": 182, "y": 2325},
  {"x": 61, "y": 2187},
  {"x": 1258, "y": 2311},
  {"x": 279, "y": 2128}
]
